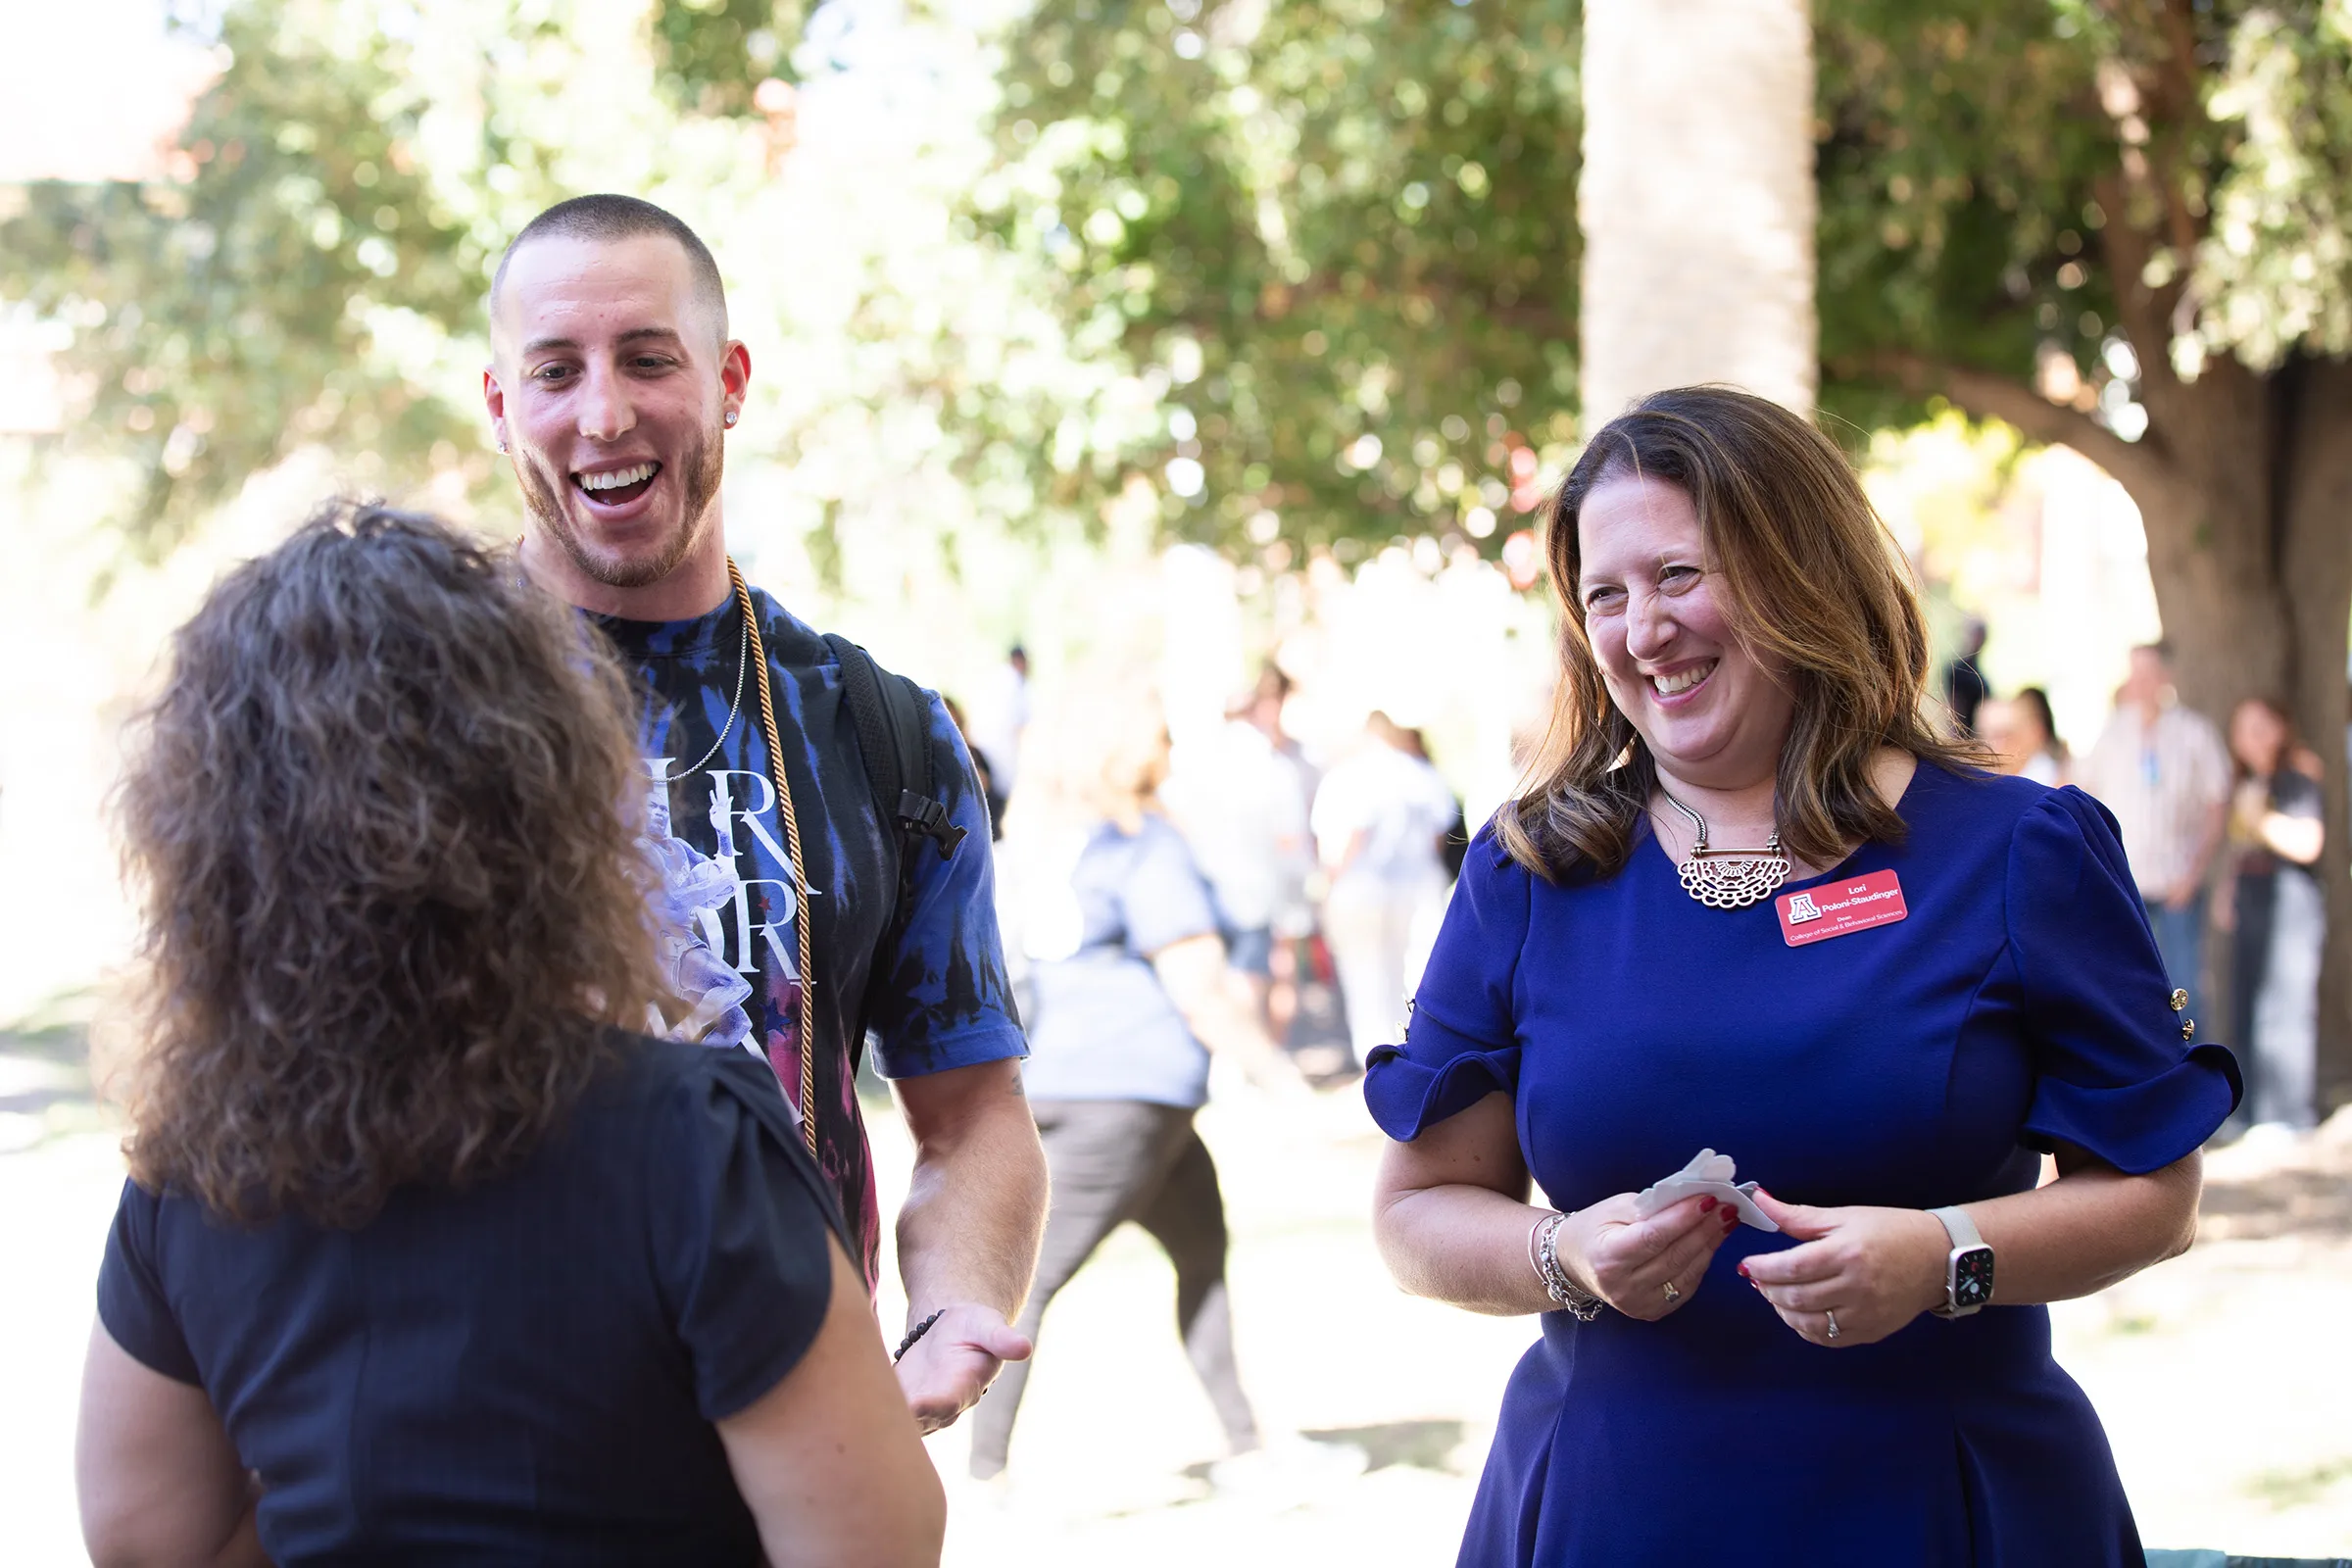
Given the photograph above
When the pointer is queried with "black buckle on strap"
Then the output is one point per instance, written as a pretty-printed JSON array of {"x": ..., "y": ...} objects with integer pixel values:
[{"x": 928, "y": 817}]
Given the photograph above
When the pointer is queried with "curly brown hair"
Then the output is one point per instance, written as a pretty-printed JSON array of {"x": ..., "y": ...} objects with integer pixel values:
[
  {"x": 1814, "y": 581},
  {"x": 383, "y": 817}
]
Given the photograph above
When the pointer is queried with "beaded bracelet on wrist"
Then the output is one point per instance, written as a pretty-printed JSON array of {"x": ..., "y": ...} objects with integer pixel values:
[{"x": 913, "y": 1334}]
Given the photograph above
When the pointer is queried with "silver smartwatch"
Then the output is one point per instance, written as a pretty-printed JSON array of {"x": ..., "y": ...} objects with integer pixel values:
[{"x": 1967, "y": 1268}]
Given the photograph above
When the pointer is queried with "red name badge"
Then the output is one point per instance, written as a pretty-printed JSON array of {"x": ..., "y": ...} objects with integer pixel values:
[{"x": 1836, "y": 908}]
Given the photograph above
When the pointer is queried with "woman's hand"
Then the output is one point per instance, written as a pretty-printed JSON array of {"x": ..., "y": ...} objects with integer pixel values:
[
  {"x": 1875, "y": 1268},
  {"x": 1629, "y": 1262}
]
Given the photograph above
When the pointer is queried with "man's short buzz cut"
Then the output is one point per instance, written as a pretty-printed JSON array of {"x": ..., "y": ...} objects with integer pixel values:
[{"x": 608, "y": 217}]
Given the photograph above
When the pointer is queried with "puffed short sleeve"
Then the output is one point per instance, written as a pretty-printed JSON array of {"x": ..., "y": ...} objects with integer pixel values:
[
  {"x": 131, "y": 1301},
  {"x": 742, "y": 1231},
  {"x": 1462, "y": 1044},
  {"x": 2112, "y": 1074}
]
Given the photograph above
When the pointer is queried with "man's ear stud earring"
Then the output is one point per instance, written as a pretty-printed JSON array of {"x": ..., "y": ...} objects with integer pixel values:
[
  {"x": 502, "y": 448},
  {"x": 730, "y": 418}
]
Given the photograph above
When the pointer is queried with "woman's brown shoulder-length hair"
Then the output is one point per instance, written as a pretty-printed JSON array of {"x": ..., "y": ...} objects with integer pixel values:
[
  {"x": 381, "y": 819},
  {"x": 1813, "y": 582}
]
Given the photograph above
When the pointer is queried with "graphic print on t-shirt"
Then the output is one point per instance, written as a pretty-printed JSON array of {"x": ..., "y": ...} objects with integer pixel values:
[
  {"x": 719, "y": 926},
  {"x": 693, "y": 888}
]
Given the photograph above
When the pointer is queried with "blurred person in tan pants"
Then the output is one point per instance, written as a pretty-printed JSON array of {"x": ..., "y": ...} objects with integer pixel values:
[{"x": 1116, "y": 937}]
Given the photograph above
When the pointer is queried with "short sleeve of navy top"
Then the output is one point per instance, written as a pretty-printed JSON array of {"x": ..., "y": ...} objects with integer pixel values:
[
  {"x": 2020, "y": 1004},
  {"x": 525, "y": 1370},
  {"x": 1103, "y": 1026}
]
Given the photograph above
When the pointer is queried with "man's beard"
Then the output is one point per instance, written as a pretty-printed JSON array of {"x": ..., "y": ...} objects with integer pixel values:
[{"x": 704, "y": 466}]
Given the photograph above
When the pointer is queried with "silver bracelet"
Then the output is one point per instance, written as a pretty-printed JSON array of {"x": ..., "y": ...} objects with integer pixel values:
[{"x": 1543, "y": 1252}]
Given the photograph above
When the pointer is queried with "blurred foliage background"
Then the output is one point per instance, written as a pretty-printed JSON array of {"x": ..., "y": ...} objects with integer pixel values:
[
  {"x": 1031, "y": 284},
  {"x": 1311, "y": 264},
  {"x": 1283, "y": 277}
]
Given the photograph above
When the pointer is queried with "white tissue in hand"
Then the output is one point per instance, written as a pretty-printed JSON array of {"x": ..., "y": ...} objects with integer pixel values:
[{"x": 1708, "y": 1174}]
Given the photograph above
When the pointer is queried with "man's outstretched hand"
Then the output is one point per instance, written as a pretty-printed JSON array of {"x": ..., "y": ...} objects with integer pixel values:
[{"x": 947, "y": 1370}]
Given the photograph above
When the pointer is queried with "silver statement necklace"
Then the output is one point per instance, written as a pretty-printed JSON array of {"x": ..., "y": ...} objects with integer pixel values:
[{"x": 1729, "y": 879}]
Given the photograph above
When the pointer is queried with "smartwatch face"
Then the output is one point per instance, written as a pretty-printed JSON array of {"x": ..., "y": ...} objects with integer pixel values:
[{"x": 1972, "y": 1276}]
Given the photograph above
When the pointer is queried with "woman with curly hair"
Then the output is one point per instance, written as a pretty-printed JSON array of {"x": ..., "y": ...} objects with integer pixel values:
[{"x": 425, "y": 1255}]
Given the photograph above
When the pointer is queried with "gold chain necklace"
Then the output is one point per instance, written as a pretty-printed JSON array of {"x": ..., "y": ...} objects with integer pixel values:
[
  {"x": 803, "y": 916},
  {"x": 1729, "y": 879}
]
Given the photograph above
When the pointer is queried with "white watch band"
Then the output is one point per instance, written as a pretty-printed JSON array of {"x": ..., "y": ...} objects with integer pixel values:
[{"x": 1958, "y": 1226}]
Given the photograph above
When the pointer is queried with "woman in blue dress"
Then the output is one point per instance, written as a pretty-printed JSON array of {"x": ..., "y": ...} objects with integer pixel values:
[{"x": 1753, "y": 904}]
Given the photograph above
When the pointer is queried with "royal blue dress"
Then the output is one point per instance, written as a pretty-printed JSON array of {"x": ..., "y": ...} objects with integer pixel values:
[{"x": 2019, "y": 1004}]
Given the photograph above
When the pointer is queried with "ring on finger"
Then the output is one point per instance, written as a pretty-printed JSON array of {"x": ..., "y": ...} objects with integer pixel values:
[
  {"x": 1672, "y": 1293},
  {"x": 1833, "y": 1317}
]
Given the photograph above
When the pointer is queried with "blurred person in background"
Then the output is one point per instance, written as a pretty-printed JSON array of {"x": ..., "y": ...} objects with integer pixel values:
[
  {"x": 1295, "y": 925},
  {"x": 425, "y": 1255},
  {"x": 1963, "y": 685},
  {"x": 1380, "y": 817},
  {"x": 2164, "y": 772},
  {"x": 980, "y": 770},
  {"x": 1002, "y": 717},
  {"x": 2276, "y": 913},
  {"x": 1634, "y": 968},
  {"x": 613, "y": 388},
  {"x": 2023, "y": 736},
  {"x": 1128, "y": 992},
  {"x": 1236, "y": 799}
]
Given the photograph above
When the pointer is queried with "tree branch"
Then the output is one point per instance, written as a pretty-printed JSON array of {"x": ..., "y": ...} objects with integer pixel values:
[
  {"x": 2144, "y": 313},
  {"x": 1984, "y": 395}
]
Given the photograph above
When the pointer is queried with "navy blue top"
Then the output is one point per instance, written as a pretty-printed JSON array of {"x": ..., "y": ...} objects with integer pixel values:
[
  {"x": 524, "y": 1371},
  {"x": 2020, "y": 1004},
  {"x": 937, "y": 999},
  {"x": 1101, "y": 1026}
]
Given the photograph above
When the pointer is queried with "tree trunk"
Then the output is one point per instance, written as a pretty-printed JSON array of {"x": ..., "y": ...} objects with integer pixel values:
[
  {"x": 1697, "y": 200},
  {"x": 2249, "y": 525},
  {"x": 2316, "y": 470},
  {"x": 2244, "y": 485}
]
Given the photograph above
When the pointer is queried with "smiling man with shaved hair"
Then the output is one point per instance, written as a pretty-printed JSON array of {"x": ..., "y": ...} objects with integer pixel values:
[{"x": 800, "y": 908}]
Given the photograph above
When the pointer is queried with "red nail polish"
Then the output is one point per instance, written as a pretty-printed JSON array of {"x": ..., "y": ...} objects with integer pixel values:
[
  {"x": 1743, "y": 1273},
  {"x": 1705, "y": 1203}
]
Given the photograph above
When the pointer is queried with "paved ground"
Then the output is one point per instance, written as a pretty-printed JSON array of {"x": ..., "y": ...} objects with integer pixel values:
[{"x": 2223, "y": 1377}]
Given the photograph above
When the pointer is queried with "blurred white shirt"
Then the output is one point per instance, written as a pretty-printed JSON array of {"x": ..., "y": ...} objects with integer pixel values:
[
  {"x": 1000, "y": 714},
  {"x": 2162, "y": 782},
  {"x": 1399, "y": 802},
  {"x": 1241, "y": 808}
]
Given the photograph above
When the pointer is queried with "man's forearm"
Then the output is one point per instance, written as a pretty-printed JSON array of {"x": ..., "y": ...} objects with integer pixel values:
[{"x": 975, "y": 1209}]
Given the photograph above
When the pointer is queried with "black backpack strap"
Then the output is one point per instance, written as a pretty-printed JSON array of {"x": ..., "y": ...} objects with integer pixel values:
[{"x": 894, "y": 724}]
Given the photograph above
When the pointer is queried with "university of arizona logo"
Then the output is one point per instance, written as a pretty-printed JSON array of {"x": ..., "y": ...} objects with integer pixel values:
[{"x": 1801, "y": 908}]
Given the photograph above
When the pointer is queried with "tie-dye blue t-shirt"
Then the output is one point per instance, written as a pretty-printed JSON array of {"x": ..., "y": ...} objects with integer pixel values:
[{"x": 938, "y": 1000}]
